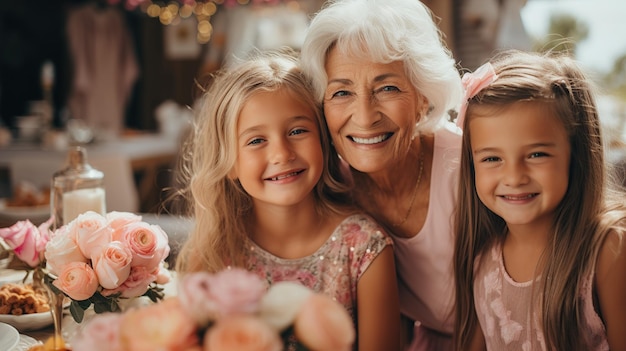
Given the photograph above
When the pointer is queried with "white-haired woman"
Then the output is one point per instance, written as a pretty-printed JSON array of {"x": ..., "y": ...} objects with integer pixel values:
[{"x": 387, "y": 83}]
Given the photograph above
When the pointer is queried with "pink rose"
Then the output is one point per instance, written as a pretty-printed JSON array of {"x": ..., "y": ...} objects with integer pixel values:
[
  {"x": 228, "y": 292},
  {"x": 119, "y": 219},
  {"x": 77, "y": 280},
  {"x": 61, "y": 250},
  {"x": 163, "y": 275},
  {"x": 323, "y": 324},
  {"x": 91, "y": 232},
  {"x": 148, "y": 243},
  {"x": 26, "y": 240},
  {"x": 242, "y": 333},
  {"x": 112, "y": 265},
  {"x": 160, "y": 326},
  {"x": 101, "y": 333},
  {"x": 135, "y": 285}
]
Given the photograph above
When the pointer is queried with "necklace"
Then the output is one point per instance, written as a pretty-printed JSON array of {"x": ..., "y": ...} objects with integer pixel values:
[{"x": 417, "y": 185}]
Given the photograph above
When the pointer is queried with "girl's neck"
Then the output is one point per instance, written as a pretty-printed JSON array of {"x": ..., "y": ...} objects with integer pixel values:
[
  {"x": 291, "y": 232},
  {"x": 523, "y": 250}
]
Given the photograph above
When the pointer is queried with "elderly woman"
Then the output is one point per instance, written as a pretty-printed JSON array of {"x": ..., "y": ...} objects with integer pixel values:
[{"x": 387, "y": 83}]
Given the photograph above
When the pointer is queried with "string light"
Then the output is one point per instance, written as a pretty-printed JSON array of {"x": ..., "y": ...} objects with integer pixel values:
[{"x": 172, "y": 12}]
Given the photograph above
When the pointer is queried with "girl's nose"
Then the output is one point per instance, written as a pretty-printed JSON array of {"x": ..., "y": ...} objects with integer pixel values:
[
  {"x": 515, "y": 174},
  {"x": 281, "y": 152}
]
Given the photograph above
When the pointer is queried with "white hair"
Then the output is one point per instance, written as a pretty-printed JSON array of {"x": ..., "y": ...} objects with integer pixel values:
[{"x": 385, "y": 31}]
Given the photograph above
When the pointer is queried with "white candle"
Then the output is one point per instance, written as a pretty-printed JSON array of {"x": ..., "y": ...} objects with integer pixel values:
[{"x": 80, "y": 201}]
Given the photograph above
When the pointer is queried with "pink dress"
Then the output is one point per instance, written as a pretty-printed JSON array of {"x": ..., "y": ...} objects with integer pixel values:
[
  {"x": 505, "y": 314},
  {"x": 424, "y": 262},
  {"x": 335, "y": 268}
]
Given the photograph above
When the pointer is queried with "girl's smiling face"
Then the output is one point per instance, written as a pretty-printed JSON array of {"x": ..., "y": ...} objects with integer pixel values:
[
  {"x": 280, "y": 158},
  {"x": 521, "y": 157}
]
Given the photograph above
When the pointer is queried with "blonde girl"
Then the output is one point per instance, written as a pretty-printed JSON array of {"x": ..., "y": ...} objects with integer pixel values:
[
  {"x": 540, "y": 254},
  {"x": 268, "y": 195}
]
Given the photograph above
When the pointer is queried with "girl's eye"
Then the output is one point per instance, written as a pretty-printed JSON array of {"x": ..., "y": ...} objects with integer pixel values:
[
  {"x": 538, "y": 154},
  {"x": 255, "y": 141},
  {"x": 298, "y": 131},
  {"x": 491, "y": 159}
]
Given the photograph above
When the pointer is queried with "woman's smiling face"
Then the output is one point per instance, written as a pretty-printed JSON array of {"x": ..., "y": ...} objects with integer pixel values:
[{"x": 371, "y": 110}]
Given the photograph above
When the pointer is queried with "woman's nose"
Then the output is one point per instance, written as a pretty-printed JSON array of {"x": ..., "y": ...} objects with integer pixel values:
[{"x": 366, "y": 111}]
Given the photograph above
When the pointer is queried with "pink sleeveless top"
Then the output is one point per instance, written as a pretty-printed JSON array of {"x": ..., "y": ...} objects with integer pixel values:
[{"x": 506, "y": 318}]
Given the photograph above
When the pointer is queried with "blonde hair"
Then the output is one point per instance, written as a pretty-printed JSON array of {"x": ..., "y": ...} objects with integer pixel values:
[
  {"x": 590, "y": 209},
  {"x": 218, "y": 203}
]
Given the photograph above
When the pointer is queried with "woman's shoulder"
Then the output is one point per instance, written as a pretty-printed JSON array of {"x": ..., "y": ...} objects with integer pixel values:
[{"x": 449, "y": 135}]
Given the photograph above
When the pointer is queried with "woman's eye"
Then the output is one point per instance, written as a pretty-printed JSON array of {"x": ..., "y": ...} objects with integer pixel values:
[
  {"x": 390, "y": 88},
  {"x": 340, "y": 93}
]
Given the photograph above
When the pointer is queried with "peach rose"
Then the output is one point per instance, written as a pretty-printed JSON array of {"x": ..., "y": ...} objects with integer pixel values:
[
  {"x": 117, "y": 220},
  {"x": 91, "y": 232},
  {"x": 102, "y": 333},
  {"x": 77, "y": 280},
  {"x": 242, "y": 333},
  {"x": 160, "y": 326},
  {"x": 148, "y": 243},
  {"x": 112, "y": 265},
  {"x": 61, "y": 250},
  {"x": 324, "y": 325},
  {"x": 27, "y": 241},
  {"x": 163, "y": 275},
  {"x": 135, "y": 285}
]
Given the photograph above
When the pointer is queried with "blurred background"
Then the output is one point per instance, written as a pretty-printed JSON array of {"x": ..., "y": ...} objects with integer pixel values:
[{"x": 121, "y": 76}]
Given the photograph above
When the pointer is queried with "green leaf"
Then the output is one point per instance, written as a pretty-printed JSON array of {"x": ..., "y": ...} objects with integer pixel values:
[
  {"x": 84, "y": 304},
  {"x": 77, "y": 311}
]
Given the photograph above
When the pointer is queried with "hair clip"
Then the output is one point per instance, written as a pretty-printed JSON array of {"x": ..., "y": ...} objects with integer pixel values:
[{"x": 473, "y": 83}]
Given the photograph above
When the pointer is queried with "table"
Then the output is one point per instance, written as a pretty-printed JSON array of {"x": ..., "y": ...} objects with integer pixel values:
[{"x": 131, "y": 166}]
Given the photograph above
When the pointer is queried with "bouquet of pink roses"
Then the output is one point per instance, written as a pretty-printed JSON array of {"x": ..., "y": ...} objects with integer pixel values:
[
  {"x": 230, "y": 310},
  {"x": 98, "y": 259}
]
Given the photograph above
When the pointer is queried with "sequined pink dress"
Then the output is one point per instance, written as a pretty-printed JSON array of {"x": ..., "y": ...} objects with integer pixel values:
[{"x": 335, "y": 268}]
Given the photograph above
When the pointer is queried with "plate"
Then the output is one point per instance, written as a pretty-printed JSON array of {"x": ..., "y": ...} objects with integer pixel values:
[
  {"x": 34, "y": 213},
  {"x": 9, "y": 337},
  {"x": 26, "y": 342},
  {"x": 26, "y": 322},
  {"x": 13, "y": 276}
]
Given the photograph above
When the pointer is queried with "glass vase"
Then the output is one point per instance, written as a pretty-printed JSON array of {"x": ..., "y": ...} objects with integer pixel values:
[{"x": 56, "y": 299}]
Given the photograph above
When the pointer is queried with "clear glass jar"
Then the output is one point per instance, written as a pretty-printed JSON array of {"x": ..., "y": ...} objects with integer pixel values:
[{"x": 76, "y": 189}]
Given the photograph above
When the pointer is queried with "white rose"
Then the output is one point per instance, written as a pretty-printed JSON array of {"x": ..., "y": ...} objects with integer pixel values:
[{"x": 282, "y": 302}]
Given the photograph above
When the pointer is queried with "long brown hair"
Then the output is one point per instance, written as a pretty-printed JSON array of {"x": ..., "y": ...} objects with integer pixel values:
[{"x": 583, "y": 217}]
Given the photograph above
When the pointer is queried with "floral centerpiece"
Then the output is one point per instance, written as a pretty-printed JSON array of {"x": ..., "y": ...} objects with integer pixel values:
[
  {"x": 95, "y": 259},
  {"x": 230, "y": 310}
]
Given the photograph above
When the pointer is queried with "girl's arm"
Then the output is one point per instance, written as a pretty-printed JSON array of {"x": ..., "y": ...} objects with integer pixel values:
[
  {"x": 478, "y": 340},
  {"x": 611, "y": 289},
  {"x": 378, "y": 308}
]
